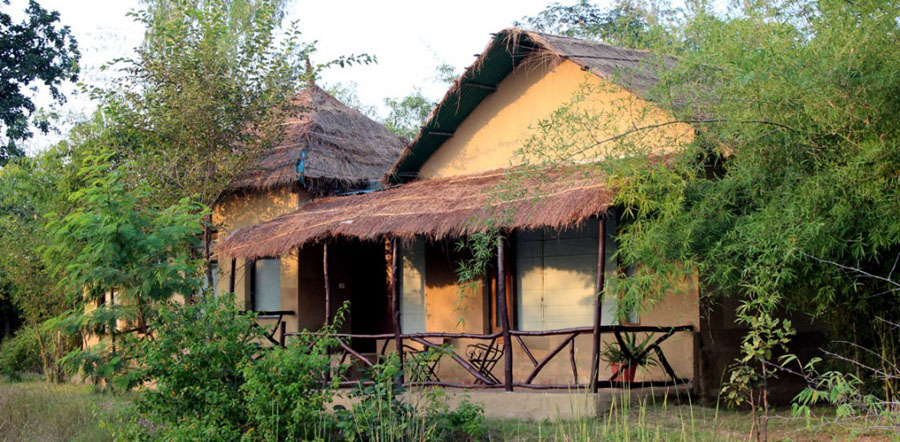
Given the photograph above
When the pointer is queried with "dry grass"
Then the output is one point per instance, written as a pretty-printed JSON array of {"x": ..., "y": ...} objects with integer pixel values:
[
  {"x": 436, "y": 208},
  {"x": 343, "y": 148},
  {"x": 681, "y": 423},
  {"x": 37, "y": 411}
]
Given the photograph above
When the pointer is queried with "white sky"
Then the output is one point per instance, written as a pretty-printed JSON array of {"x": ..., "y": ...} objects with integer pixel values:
[{"x": 409, "y": 38}]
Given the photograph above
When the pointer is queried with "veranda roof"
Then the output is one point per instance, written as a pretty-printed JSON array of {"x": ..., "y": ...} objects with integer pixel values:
[
  {"x": 327, "y": 146},
  {"x": 437, "y": 208}
]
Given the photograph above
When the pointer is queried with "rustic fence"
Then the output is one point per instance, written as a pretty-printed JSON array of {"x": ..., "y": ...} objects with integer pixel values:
[{"x": 482, "y": 374}]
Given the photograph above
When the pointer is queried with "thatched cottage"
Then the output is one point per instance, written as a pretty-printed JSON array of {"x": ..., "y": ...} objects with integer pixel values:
[
  {"x": 328, "y": 149},
  {"x": 534, "y": 320}
]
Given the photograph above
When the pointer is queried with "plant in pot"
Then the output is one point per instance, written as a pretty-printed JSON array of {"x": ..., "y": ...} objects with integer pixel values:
[{"x": 618, "y": 358}]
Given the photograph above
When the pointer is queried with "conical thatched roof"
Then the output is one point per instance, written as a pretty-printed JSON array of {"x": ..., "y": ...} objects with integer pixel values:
[
  {"x": 327, "y": 146},
  {"x": 635, "y": 70}
]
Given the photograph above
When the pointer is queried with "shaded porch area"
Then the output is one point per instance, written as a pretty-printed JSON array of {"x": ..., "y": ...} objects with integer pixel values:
[{"x": 538, "y": 318}]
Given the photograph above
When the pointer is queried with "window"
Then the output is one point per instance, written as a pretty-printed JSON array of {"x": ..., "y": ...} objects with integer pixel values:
[
  {"x": 412, "y": 287},
  {"x": 266, "y": 285},
  {"x": 556, "y": 278},
  {"x": 214, "y": 267}
]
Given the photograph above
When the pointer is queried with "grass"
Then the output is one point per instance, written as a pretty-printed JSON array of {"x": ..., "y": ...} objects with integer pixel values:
[
  {"x": 36, "y": 411},
  {"x": 667, "y": 422}
]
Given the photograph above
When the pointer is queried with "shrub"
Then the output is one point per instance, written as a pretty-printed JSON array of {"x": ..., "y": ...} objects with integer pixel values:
[
  {"x": 195, "y": 362},
  {"x": 286, "y": 393},
  {"x": 385, "y": 410},
  {"x": 20, "y": 354}
]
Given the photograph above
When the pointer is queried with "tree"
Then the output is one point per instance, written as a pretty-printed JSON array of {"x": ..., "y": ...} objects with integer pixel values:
[
  {"x": 36, "y": 49},
  {"x": 120, "y": 256},
  {"x": 628, "y": 24},
  {"x": 206, "y": 94},
  {"x": 408, "y": 114},
  {"x": 793, "y": 169}
]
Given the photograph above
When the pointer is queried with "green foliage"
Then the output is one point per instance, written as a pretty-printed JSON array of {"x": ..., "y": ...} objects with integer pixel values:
[
  {"x": 385, "y": 410},
  {"x": 37, "y": 49},
  {"x": 627, "y": 24},
  {"x": 122, "y": 254},
  {"x": 285, "y": 391},
  {"x": 114, "y": 241},
  {"x": 615, "y": 353},
  {"x": 29, "y": 188},
  {"x": 380, "y": 413},
  {"x": 196, "y": 362},
  {"x": 407, "y": 114},
  {"x": 20, "y": 354}
]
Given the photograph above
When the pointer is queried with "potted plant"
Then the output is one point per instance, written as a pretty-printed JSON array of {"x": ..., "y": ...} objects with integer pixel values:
[{"x": 621, "y": 364}]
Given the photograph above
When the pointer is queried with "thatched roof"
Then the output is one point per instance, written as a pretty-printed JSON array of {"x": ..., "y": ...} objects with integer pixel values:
[
  {"x": 635, "y": 70},
  {"x": 327, "y": 146},
  {"x": 437, "y": 208}
]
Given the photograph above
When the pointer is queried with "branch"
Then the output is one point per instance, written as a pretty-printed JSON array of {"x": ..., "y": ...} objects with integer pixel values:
[
  {"x": 669, "y": 123},
  {"x": 853, "y": 269}
]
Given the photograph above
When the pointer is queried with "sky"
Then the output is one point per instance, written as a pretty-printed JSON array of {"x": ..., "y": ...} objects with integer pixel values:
[{"x": 409, "y": 38}]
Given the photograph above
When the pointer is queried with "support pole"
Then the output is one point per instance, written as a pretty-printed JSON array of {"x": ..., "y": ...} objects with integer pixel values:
[
  {"x": 395, "y": 300},
  {"x": 327, "y": 283},
  {"x": 327, "y": 301},
  {"x": 504, "y": 318},
  {"x": 231, "y": 276},
  {"x": 598, "y": 306}
]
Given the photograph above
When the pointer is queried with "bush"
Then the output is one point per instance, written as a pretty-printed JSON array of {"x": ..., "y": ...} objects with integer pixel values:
[
  {"x": 385, "y": 410},
  {"x": 21, "y": 354},
  {"x": 286, "y": 393},
  {"x": 195, "y": 362}
]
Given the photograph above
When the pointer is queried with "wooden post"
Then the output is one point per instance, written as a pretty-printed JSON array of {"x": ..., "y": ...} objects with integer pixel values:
[
  {"x": 504, "y": 318},
  {"x": 598, "y": 306},
  {"x": 327, "y": 301},
  {"x": 394, "y": 286},
  {"x": 231, "y": 276},
  {"x": 282, "y": 339},
  {"x": 327, "y": 283}
]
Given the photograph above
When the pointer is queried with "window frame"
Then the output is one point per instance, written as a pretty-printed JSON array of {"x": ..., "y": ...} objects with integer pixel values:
[{"x": 253, "y": 278}]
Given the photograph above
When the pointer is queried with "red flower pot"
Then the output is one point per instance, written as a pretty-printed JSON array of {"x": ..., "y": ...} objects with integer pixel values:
[{"x": 625, "y": 373}]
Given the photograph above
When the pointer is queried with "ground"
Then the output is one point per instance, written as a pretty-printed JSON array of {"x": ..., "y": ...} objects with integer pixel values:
[{"x": 36, "y": 411}]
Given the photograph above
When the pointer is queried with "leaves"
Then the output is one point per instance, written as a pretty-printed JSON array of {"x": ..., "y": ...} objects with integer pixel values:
[{"x": 36, "y": 49}]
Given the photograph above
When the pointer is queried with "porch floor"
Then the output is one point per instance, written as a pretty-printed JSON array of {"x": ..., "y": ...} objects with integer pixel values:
[{"x": 552, "y": 404}]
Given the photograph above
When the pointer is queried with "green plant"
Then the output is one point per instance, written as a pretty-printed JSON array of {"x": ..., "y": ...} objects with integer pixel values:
[
  {"x": 286, "y": 391},
  {"x": 20, "y": 354},
  {"x": 196, "y": 363},
  {"x": 385, "y": 410},
  {"x": 379, "y": 413},
  {"x": 615, "y": 353}
]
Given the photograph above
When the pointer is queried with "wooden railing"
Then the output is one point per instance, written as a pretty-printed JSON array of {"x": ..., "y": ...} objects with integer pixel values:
[{"x": 485, "y": 380}]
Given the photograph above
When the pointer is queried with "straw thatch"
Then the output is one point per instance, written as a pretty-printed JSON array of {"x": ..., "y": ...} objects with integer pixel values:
[
  {"x": 635, "y": 70},
  {"x": 327, "y": 146},
  {"x": 438, "y": 208}
]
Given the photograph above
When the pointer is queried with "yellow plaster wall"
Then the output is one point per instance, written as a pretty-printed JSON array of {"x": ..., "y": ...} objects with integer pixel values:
[
  {"x": 252, "y": 208},
  {"x": 491, "y": 134},
  {"x": 447, "y": 309},
  {"x": 681, "y": 307}
]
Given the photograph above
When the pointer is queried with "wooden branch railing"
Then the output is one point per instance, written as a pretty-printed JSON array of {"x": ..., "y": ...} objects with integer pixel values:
[
  {"x": 280, "y": 327},
  {"x": 483, "y": 380}
]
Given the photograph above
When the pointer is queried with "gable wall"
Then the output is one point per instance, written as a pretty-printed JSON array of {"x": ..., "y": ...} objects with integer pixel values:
[
  {"x": 491, "y": 134},
  {"x": 252, "y": 208}
]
